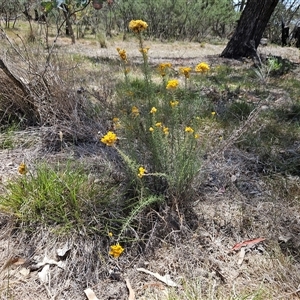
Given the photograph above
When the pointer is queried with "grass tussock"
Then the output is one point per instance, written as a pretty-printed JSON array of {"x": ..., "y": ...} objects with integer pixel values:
[
  {"x": 41, "y": 88},
  {"x": 63, "y": 196}
]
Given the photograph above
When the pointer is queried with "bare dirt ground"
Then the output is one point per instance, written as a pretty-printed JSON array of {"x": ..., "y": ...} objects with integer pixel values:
[
  {"x": 235, "y": 204},
  {"x": 180, "y": 53}
]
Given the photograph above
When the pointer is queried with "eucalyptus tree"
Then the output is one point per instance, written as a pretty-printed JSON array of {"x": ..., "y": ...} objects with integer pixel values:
[
  {"x": 10, "y": 11},
  {"x": 69, "y": 8},
  {"x": 250, "y": 28}
]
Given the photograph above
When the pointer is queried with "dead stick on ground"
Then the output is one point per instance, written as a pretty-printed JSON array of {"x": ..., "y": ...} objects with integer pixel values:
[{"x": 131, "y": 291}]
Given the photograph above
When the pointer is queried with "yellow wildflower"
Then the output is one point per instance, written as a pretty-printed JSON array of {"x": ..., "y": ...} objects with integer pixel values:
[
  {"x": 110, "y": 234},
  {"x": 22, "y": 168},
  {"x": 202, "y": 67},
  {"x": 174, "y": 103},
  {"x": 116, "y": 123},
  {"x": 109, "y": 139},
  {"x": 137, "y": 26},
  {"x": 151, "y": 129},
  {"x": 144, "y": 50},
  {"x": 116, "y": 250},
  {"x": 141, "y": 172},
  {"x": 158, "y": 124},
  {"x": 166, "y": 130},
  {"x": 122, "y": 54},
  {"x": 189, "y": 129},
  {"x": 135, "y": 111},
  {"x": 163, "y": 67},
  {"x": 153, "y": 110},
  {"x": 172, "y": 84},
  {"x": 196, "y": 136},
  {"x": 213, "y": 113},
  {"x": 185, "y": 71}
]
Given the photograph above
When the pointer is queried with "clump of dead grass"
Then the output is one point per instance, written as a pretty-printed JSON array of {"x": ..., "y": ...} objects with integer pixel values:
[{"x": 36, "y": 91}]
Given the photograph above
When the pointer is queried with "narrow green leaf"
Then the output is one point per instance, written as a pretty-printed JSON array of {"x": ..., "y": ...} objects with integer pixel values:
[{"x": 48, "y": 6}]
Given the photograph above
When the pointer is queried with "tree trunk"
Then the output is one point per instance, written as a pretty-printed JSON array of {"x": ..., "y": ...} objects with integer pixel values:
[
  {"x": 69, "y": 28},
  {"x": 285, "y": 32},
  {"x": 296, "y": 36},
  {"x": 250, "y": 29}
]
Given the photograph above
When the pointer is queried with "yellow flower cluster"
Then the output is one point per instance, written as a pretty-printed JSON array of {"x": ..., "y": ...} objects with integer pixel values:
[
  {"x": 165, "y": 130},
  {"x": 160, "y": 125},
  {"x": 116, "y": 123},
  {"x": 109, "y": 139},
  {"x": 189, "y": 129},
  {"x": 22, "y": 169},
  {"x": 172, "y": 84},
  {"x": 163, "y": 67},
  {"x": 141, "y": 172},
  {"x": 202, "y": 67},
  {"x": 135, "y": 111},
  {"x": 144, "y": 50},
  {"x": 122, "y": 54},
  {"x": 153, "y": 110},
  {"x": 137, "y": 26},
  {"x": 116, "y": 250},
  {"x": 185, "y": 71},
  {"x": 174, "y": 103}
]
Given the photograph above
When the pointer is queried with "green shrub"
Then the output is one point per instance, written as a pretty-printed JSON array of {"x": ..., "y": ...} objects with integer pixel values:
[{"x": 158, "y": 131}]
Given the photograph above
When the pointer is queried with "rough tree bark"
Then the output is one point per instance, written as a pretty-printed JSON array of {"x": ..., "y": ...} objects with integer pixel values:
[
  {"x": 250, "y": 29},
  {"x": 285, "y": 32}
]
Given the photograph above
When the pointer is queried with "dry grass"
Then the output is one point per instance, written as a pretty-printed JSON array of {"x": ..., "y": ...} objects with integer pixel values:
[
  {"x": 235, "y": 202},
  {"x": 228, "y": 211}
]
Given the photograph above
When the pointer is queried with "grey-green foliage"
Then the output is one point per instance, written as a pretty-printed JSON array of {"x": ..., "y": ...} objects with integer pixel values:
[
  {"x": 9, "y": 11},
  {"x": 184, "y": 19},
  {"x": 287, "y": 12},
  {"x": 167, "y": 19}
]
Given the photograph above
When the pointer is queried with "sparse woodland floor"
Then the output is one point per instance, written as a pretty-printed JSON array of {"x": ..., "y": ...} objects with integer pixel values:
[{"x": 237, "y": 202}]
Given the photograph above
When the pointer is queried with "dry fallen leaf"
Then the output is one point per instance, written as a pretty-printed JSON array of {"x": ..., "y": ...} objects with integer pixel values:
[
  {"x": 90, "y": 294},
  {"x": 285, "y": 238},
  {"x": 44, "y": 274},
  {"x": 63, "y": 252},
  {"x": 242, "y": 255},
  {"x": 15, "y": 260},
  {"x": 248, "y": 243},
  {"x": 166, "y": 279},
  {"x": 233, "y": 178},
  {"x": 19, "y": 261},
  {"x": 25, "y": 272},
  {"x": 131, "y": 291},
  {"x": 49, "y": 261}
]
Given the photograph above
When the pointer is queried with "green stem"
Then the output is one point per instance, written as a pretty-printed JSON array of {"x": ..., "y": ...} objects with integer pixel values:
[{"x": 145, "y": 67}]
